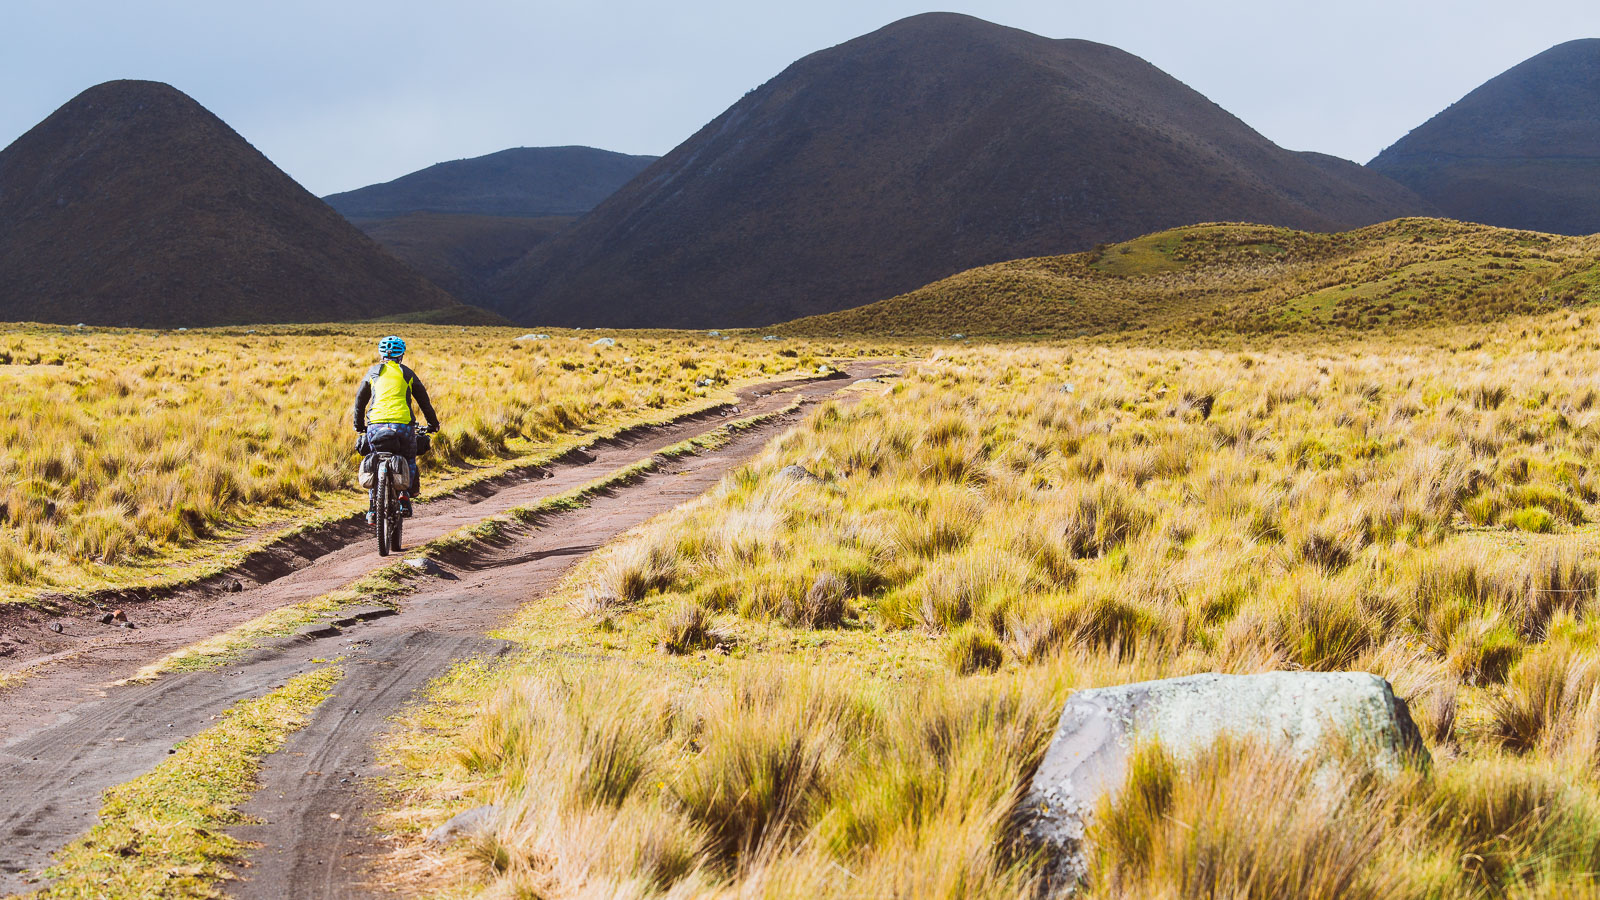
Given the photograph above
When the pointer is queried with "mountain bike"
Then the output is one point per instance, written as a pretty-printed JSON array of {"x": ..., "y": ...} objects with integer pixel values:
[{"x": 391, "y": 479}]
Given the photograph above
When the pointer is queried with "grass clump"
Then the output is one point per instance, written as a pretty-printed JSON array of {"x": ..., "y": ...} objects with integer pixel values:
[
  {"x": 973, "y": 649},
  {"x": 686, "y": 628}
]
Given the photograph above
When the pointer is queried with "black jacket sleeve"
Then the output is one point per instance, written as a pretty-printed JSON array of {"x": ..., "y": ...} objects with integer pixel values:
[
  {"x": 420, "y": 394},
  {"x": 363, "y": 397}
]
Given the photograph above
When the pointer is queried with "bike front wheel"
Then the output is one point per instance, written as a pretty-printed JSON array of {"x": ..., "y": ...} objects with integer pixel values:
[{"x": 384, "y": 518}]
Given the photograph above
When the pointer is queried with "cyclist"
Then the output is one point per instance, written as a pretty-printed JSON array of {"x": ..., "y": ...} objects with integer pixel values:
[{"x": 383, "y": 411}]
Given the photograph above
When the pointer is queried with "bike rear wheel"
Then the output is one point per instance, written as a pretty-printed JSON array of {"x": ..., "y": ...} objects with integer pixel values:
[{"x": 383, "y": 518}]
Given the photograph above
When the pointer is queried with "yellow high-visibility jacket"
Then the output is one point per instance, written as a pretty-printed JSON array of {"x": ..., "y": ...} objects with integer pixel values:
[{"x": 388, "y": 389}]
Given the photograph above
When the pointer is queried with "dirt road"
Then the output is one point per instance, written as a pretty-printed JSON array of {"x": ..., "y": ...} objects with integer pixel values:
[{"x": 67, "y": 735}]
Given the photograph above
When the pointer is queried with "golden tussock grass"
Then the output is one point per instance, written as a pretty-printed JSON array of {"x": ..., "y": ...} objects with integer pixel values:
[
  {"x": 123, "y": 453},
  {"x": 1003, "y": 525}
]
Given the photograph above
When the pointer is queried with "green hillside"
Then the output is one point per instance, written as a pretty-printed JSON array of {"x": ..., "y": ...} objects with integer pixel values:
[{"x": 1249, "y": 278}]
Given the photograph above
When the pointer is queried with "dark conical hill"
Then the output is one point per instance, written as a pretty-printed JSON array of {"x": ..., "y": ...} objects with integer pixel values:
[
  {"x": 935, "y": 144},
  {"x": 1521, "y": 151},
  {"x": 134, "y": 205}
]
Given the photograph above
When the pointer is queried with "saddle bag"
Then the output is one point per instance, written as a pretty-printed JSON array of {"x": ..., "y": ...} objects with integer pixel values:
[
  {"x": 399, "y": 473},
  {"x": 365, "y": 472}
]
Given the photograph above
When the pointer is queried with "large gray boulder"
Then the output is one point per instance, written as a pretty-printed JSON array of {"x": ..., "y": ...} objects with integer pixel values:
[{"x": 1303, "y": 712}]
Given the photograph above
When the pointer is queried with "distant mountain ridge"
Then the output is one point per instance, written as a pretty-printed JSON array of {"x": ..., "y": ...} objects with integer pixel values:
[
  {"x": 522, "y": 181},
  {"x": 462, "y": 253},
  {"x": 930, "y": 146},
  {"x": 134, "y": 205},
  {"x": 1520, "y": 151},
  {"x": 461, "y": 222}
]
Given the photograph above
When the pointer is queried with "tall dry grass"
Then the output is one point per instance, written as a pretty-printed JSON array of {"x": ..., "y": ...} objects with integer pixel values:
[
  {"x": 121, "y": 449},
  {"x": 1008, "y": 523}
]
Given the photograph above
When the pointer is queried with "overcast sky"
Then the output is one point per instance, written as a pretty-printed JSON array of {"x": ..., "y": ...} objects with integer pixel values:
[{"x": 343, "y": 93}]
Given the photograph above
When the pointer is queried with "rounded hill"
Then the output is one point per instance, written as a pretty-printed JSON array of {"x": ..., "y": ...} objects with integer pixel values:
[
  {"x": 1521, "y": 151},
  {"x": 932, "y": 145}
]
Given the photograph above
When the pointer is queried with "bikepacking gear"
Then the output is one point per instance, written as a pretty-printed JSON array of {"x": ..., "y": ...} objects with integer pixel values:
[
  {"x": 405, "y": 504},
  {"x": 401, "y": 440},
  {"x": 392, "y": 347}
]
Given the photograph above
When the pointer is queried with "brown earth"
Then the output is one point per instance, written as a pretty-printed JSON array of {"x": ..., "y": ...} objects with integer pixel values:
[
  {"x": 936, "y": 144},
  {"x": 134, "y": 205},
  {"x": 70, "y": 733}
]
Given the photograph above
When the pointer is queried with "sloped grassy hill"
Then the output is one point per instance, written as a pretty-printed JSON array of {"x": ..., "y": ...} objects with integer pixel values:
[{"x": 1225, "y": 277}]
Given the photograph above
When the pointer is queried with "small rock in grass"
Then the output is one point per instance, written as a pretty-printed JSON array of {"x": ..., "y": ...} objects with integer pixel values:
[
  {"x": 475, "y": 821},
  {"x": 423, "y": 564},
  {"x": 798, "y": 473}
]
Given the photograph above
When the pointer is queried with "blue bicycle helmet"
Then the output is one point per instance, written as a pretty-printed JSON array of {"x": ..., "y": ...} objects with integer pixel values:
[{"x": 392, "y": 347}]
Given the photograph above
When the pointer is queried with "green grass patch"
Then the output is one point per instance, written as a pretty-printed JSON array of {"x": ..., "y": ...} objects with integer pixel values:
[{"x": 161, "y": 834}]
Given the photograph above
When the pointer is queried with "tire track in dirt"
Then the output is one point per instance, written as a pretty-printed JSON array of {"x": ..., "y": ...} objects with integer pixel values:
[{"x": 55, "y": 762}]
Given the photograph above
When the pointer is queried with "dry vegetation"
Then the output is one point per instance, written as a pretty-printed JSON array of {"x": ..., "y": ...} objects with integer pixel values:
[
  {"x": 125, "y": 452},
  {"x": 1249, "y": 279},
  {"x": 838, "y": 686}
]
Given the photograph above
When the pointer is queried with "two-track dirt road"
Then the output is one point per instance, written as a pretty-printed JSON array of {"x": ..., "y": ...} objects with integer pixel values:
[{"x": 68, "y": 733}]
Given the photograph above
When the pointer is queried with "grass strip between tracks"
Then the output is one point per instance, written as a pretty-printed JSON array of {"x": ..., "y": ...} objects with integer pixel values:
[
  {"x": 387, "y": 584},
  {"x": 160, "y": 835}
]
